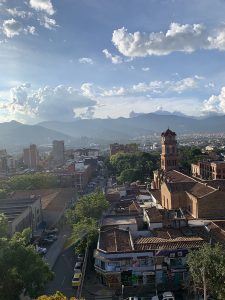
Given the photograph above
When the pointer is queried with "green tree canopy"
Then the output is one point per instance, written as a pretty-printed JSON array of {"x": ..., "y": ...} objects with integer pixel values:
[
  {"x": 91, "y": 206},
  {"x": 32, "y": 181},
  {"x": 22, "y": 269},
  {"x": 189, "y": 155},
  {"x": 207, "y": 269},
  {"x": 132, "y": 166},
  {"x": 129, "y": 175},
  {"x": 85, "y": 231},
  {"x": 84, "y": 219},
  {"x": 3, "y": 225}
]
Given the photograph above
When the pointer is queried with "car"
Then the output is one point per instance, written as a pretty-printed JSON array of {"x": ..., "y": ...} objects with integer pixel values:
[
  {"x": 78, "y": 267},
  {"x": 41, "y": 250},
  {"x": 48, "y": 240},
  {"x": 164, "y": 296},
  {"x": 51, "y": 231},
  {"x": 80, "y": 257},
  {"x": 52, "y": 237},
  {"x": 76, "y": 281}
]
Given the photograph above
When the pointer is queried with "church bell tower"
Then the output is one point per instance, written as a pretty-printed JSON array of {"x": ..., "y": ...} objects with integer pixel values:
[{"x": 169, "y": 151}]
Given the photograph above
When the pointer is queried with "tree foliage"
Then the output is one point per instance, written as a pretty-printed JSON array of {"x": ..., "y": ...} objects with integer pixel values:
[
  {"x": 209, "y": 263},
  {"x": 189, "y": 155},
  {"x": 32, "y": 181},
  {"x": 84, "y": 219},
  {"x": 27, "y": 182},
  {"x": 3, "y": 193},
  {"x": 3, "y": 225},
  {"x": 56, "y": 296},
  {"x": 133, "y": 166},
  {"x": 22, "y": 269},
  {"x": 91, "y": 206}
]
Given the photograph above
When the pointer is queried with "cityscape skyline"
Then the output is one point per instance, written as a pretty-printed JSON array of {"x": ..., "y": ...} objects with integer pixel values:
[{"x": 98, "y": 59}]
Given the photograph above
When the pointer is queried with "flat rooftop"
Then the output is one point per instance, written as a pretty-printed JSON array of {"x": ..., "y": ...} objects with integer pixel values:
[{"x": 118, "y": 220}]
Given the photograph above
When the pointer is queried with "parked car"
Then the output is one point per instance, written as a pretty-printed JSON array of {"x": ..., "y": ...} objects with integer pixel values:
[
  {"x": 51, "y": 231},
  {"x": 48, "y": 240},
  {"x": 76, "y": 279},
  {"x": 52, "y": 237},
  {"x": 78, "y": 267},
  {"x": 164, "y": 296},
  {"x": 80, "y": 257},
  {"x": 41, "y": 250}
]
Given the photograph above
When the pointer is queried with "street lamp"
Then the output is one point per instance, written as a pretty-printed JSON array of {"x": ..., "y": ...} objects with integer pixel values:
[{"x": 122, "y": 288}]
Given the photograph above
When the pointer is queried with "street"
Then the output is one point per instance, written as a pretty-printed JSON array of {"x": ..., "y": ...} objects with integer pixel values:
[{"x": 63, "y": 270}]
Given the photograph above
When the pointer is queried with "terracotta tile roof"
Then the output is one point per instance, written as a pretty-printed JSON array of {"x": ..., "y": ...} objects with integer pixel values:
[
  {"x": 51, "y": 199},
  {"x": 200, "y": 190},
  {"x": 156, "y": 194},
  {"x": 115, "y": 240},
  {"x": 178, "y": 187},
  {"x": 217, "y": 232},
  {"x": 217, "y": 184},
  {"x": 176, "y": 176},
  {"x": 195, "y": 188},
  {"x": 154, "y": 243},
  {"x": 168, "y": 233},
  {"x": 154, "y": 214}
]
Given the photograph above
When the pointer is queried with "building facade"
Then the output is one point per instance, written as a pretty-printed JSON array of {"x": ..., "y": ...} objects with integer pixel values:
[
  {"x": 209, "y": 170},
  {"x": 31, "y": 157},
  {"x": 58, "y": 153}
]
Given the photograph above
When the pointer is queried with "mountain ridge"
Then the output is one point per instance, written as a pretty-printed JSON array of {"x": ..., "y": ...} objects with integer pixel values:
[{"x": 81, "y": 131}]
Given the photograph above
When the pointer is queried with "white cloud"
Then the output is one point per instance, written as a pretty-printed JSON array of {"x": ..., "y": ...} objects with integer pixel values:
[
  {"x": 13, "y": 28},
  {"x": 179, "y": 86},
  {"x": 215, "y": 104},
  {"x": 184, "y": 84},
  {"x": 30, "y": 29},
  {"x": 47, "y": 103},
  {"x": 43, "y": 5},
  {"x": 48, "y": 23},
  {"x": 145, "y": 69},
  {"x": 114, "y": 59},
  {"x": 121, "y": 91},
  {"x": 122, "y": 106},
  {"x": 185, "y": 38},
  {"x": 15, "y": 12},
  {"x": 152, "y": 87},
  {"x": 85, "y": 60}
]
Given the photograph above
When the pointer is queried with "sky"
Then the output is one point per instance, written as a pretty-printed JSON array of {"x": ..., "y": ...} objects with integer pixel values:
[{"x": 67, "y": 59}]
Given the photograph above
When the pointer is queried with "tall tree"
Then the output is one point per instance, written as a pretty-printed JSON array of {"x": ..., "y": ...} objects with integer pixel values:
[
  {"x": 22, "y": 269},
  {"x": 207, "y": 270},
  {"x": 91, "y": 206},
  {"x": 3, "y": 225}
]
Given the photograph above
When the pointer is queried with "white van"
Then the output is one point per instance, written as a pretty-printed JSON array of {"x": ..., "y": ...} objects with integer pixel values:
[{"x": 164, "y": 296}]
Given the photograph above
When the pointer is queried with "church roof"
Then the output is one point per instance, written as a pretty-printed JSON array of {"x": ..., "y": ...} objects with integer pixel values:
[{"x": 168, "y": 132}]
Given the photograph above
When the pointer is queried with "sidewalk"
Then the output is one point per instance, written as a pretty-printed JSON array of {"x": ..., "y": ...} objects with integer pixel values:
[{"x": 57, "y": 247}]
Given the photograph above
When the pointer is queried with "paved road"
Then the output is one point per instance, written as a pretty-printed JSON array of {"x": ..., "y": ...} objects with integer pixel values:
[{"x": 63, "y": 274}]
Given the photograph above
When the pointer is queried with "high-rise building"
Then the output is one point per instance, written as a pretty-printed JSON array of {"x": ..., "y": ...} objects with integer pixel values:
[
  {"x": 58, "y": 152},
  {"x": 30, "y": 157},
  {"x": 169, "y": 150}
]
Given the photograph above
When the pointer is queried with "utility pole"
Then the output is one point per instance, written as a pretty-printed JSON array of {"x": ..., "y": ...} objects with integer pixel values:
[{"x": 204, "y": 283}]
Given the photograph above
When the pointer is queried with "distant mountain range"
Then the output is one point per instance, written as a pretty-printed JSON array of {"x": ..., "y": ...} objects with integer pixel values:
[{"x": 83, "y": 131}]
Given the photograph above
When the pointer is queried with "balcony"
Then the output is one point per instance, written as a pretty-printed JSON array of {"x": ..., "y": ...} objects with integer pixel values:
[{"x": 119, "y": 269}]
